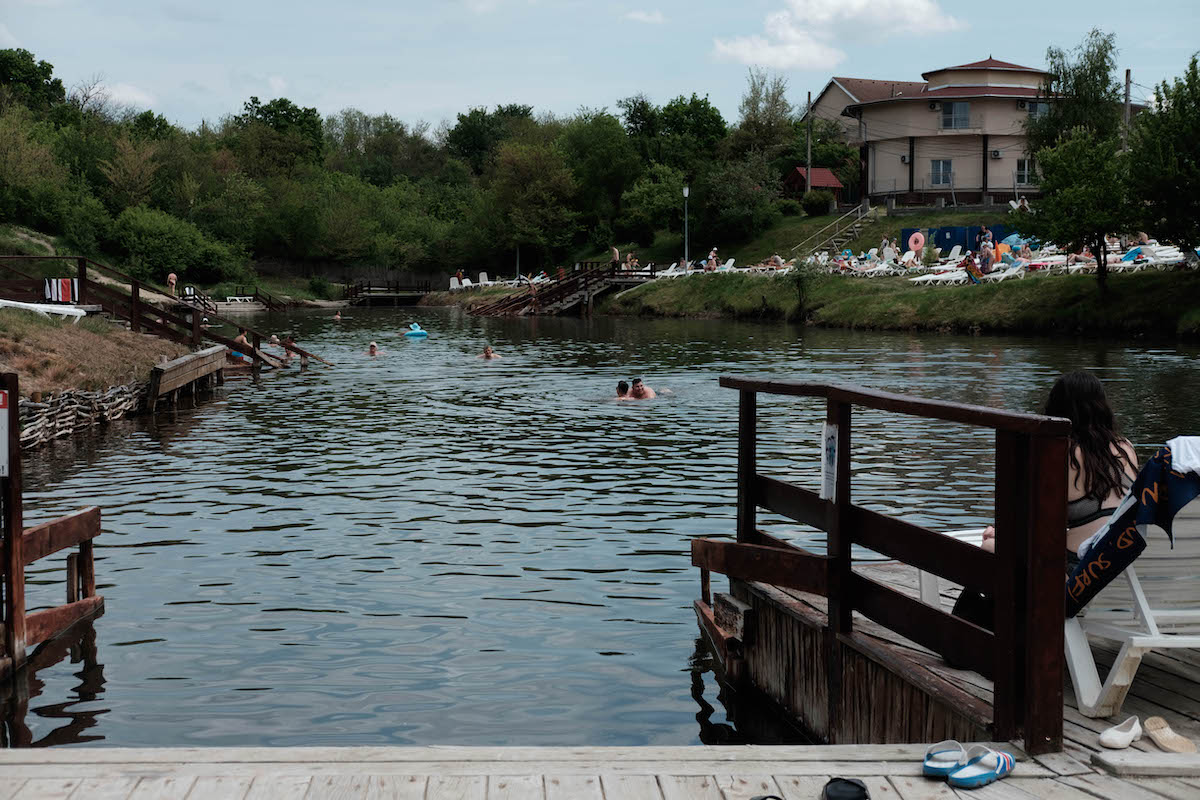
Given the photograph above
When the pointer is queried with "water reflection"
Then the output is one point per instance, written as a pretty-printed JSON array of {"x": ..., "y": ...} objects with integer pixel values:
[
  {"x": 71, "y": 711},
  {"x": 426, "y": 548}
]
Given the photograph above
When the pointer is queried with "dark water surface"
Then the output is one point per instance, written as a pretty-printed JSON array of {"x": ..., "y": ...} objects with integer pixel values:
[{"x": 427, "y": 548}]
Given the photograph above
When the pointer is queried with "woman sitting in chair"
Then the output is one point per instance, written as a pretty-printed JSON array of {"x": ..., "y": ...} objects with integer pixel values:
[{"x": 1101, "y": 464}]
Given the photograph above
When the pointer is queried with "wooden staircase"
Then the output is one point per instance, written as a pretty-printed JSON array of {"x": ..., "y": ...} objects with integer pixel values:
[
  {"x": 556, "y": 297},
  {"x": 837, "y": 234}
]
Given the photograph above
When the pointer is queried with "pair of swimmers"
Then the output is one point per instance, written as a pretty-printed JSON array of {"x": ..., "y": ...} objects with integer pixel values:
[{"x": 635, "y": 390}]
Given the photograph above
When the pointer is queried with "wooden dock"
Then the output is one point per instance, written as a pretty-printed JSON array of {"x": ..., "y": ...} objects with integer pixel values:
[{"x": 891, "y": 772}]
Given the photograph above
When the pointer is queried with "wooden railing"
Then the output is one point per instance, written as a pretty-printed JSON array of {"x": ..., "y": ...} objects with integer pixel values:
[
  {"x": 842, "y": 223},
  {"x": 23, "y": 546},
  {"x": 1024, "y": 652},
  {"x": 124, "y": 301}
]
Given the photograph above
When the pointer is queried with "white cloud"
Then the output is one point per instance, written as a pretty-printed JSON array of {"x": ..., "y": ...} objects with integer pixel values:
[
  {"x": 127, "y": 94},
  {"x": 648, "y": 17},
  {"x": 6, "y": 38},
  {"x": 806, "y": 34},
  {"x": 278, "y": 85}
]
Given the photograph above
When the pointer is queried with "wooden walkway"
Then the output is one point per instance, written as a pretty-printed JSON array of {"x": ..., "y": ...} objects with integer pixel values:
[{"x": 891, "y": 772}]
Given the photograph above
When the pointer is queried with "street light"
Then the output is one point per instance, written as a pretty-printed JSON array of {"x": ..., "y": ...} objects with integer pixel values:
[{"x": 686, "y": 261}]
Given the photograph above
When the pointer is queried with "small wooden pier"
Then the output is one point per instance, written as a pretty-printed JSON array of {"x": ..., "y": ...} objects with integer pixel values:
[
  {"x": 386, "y": 293},
  {"x": 572, "y": 291}
]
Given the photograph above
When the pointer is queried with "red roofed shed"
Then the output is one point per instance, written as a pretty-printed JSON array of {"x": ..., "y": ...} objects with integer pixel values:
[{"x": 822, "y": 178}]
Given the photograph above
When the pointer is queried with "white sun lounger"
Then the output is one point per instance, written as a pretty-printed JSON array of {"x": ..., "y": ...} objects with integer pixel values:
[
  {"x": 46, "y": 309},
  {"x": 455, "y": 284}
]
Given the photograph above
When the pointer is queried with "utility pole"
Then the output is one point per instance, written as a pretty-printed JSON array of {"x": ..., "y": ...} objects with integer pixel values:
[
  {"x": 808, "y": 168},
  {"x": 1125, "y": 130}
]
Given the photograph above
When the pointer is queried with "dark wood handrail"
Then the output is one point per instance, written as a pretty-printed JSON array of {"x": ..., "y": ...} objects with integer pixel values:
[
  {"x": 1023, "y": 651},
  {"x": 997, "y": 419}
]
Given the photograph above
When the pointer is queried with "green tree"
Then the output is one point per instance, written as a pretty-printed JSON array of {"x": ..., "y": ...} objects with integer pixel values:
[
  {"x": 1085, "y": 195},
  {"x": 28, "y": 82},
  {"x": 529, "y": 195},
  {"x": 643, "y": 125},
  {"x": 130, "y": 172},
  {"x": 30, "y": 177},
  {"x": 1165, "y": 160},
  {"x": 476, "y": 134},
  {"x": 737, "y": 199},
  {"x": 1081, "y": 91},
  {"x": 766, "y": 116},
  {"x": 603, "y": 161},
  {"x": 692, "y": 132},
  {"x": 655, "y": 201}
]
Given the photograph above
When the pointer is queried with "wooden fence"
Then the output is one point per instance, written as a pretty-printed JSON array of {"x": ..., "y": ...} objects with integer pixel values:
[
  {"x": 1024, "y": 653},
  {"x": 22, "y": 547}
]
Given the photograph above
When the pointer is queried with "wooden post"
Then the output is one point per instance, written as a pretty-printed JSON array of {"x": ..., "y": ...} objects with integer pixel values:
[
  {"x": 838, "y": 540},
  {"x": 1044, "y": 606},
  {"x": 87, "y": 569},
  {"x": 257, "y": 368},
  {"x": 13, "y": 528},
  {"x": 197, "y": 331},
  {"x": 72, "y": 577},
  {"x": 705, "y": 586},
  {"x": 1011, "y": 515},
  {"x": 81, "y": 274},
  {"x": 747, "y": 510},
  {"x": 135, "y": 303}
]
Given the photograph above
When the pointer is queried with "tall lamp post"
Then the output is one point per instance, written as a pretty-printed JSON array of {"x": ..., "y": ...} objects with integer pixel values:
[{"x": 687, "y": 263}]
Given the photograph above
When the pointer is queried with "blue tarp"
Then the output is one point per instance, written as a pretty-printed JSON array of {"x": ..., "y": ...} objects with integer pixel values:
[{"x": 964, "y": 236}]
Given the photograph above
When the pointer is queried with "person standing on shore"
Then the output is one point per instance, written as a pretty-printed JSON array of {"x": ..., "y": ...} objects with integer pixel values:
[{"x": 616, "y": 257}]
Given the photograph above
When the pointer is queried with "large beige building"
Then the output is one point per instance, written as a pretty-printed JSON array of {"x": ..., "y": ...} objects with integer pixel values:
[{"x": 958, "y": 135}]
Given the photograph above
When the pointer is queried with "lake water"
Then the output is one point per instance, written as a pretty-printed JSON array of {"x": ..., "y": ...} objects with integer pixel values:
[{"x": 426, "y": 548}]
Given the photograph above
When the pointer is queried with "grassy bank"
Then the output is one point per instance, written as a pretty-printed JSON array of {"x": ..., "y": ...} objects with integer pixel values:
[
  {"x": 470, "y": 298},
  {"x": 791, "y": 231},
  {"x": 1156, "y": 303},
  {"x": 51, "y": 355}
]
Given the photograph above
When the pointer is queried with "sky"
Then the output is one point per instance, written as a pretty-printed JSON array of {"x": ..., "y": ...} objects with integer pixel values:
[{"x": 430, "y": 60}]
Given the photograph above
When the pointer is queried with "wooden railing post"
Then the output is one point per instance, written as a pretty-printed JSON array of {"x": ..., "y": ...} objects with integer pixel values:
[
  {"x": 13, "y": 529},
  {"x": 197, "y": 331},
  {"x": 135, "y": 303},
  {"x": 1011, "y": 515},
  {"x": 81, "y": 275},
  {"x": 1044, "y": 599},
  {"x": 257, "y": 368},
  {"x": 747, "y": 510},
  {"x": 838, "y": 538}
]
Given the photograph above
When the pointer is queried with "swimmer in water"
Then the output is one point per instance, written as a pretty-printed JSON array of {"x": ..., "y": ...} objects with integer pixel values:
[
  {"x": 337, "y": 317},
  {"x": 640, "y": 391},
  {"x": 623, "y": 391},
  {"x": 489, "y": 354},
  {"x": 373, "y": 350}
]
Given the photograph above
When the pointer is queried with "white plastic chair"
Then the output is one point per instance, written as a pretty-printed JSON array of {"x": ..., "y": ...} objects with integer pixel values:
[{"x": 455, "y": 284}]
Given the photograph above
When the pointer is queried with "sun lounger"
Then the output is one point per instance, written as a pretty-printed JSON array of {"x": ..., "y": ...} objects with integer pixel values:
[
  {"x": 1014, "y": 271},
  {"x": 483, "y": 280},
  {"x": 46, "y": 309},
  {"x": 1153, "y": 610},
  {"x": 455, "y": 284}
]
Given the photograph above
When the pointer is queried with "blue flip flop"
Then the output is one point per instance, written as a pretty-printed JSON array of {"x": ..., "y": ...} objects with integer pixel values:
[
  {"x": 943, "y": 758},
  {"x": 983, "y": 766}
]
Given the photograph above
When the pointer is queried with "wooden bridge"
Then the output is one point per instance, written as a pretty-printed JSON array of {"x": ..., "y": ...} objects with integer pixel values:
[
  {"x": 122, "y": 297},
  {"x": 386, "y": 293},
  {"x": 571, "y": 291}
]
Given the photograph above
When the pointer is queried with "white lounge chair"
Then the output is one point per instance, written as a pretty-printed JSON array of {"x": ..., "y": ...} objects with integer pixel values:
[
  {"x": 455, "y": 284},
  {"x": 955, "y": 254},
  {"x": 46, "y": 309},
  {"x": 1148, "y": 612},
  {"x": 1013, "y": 271},
  {"x": 466, "y": 283},
  {"x": 483, "y": 280}
]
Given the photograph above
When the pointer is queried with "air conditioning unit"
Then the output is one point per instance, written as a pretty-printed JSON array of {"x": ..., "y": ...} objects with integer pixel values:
[
  {"x": 935, "y": 106},
  {"x": 995, "y": 154},
  {"x": 904, "y": 159},
  {"x": 1022, "y": 105}
]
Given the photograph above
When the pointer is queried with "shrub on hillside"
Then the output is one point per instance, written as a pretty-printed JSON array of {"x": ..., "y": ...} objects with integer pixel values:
[
  {"x": 789, "y": 207},
  {"x": 156, "y": 243},
  {"x": 817, "y": 202},
  {"x": 85, "y": 224},
  {"x": 318, "y": 286}
]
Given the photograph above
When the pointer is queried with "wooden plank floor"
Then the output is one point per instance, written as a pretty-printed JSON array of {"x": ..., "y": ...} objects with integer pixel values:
[{"x": 891, "y": 772}]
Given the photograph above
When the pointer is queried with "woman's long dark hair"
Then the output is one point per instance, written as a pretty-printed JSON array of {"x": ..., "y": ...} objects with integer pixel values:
[{"x": 1080, "y": 397}]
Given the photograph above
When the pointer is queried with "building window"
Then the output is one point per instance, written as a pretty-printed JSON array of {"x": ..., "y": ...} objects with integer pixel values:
[
  {"x": 1025, "y": 172},
  {"x": 956, "y": 115},
  {"x": 1038, "y": 108},
  {"x": 940, "y": 173}
]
